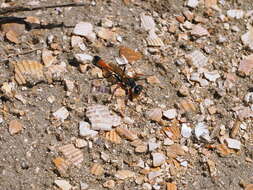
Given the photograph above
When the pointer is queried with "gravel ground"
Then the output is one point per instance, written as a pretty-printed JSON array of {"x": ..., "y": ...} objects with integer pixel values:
[{"x": 190, "y": 127}]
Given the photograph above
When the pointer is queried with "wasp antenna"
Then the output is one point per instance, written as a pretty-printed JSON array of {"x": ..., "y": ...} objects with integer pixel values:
[{"x": 96, "y": 59}]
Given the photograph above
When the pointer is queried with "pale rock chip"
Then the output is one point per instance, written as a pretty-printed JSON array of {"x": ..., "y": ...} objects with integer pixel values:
[
  {"x": 154, "y": 114},
  {"x": 83, "y": 58},
  {"x": 15, "y": 127},
  {"x": 248, "y": 98},
  {"x": 168, "y": 142},
  {"x": 101, "y": 118},
  {"x": 235, "y": 13},
  {"x": 212, "y": 75},
  {"x": 146, "y": 186},
  {"x": 186, "y": 131},
  {"x": 110, "y": 184},
  {"x": 63, "y": 184},
  {"x": 147, "y": 22},
  {"x": 201, "y": 130},
  {"x": 152, "y": 145},
  {"x": 80, "y": 143},
  {"x": 97, "y": 169},
  {"x": 83, "y": 29},
  {"x": 170, "y": 114},
  {"x": 197, "y": 59},
  {"x": 192, "y": 3},
  {"x": 199, "y": 31},
  {"x": 233, "y": 143},
  {"x": 107, "y": 34},
  {"x": 124, "y": 174},
  {"x": 154, "y": 174},
  {"x": 126, "y": 133},
  {"x": 84, "y": 129},
  {"x": 47, "y": 57},
  {"x": 107, "y": 23},
  {"x": 77, "y": 41},
  {"x": 158, "y": 159},
  {"x": 153, "y": 40},
  {"x": 246, "y": 65},
  {"x": 61, "y": 114},
  {"x": 247, "y": 39}
]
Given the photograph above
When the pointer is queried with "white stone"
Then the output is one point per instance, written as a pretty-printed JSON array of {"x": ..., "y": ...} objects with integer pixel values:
[
  {"x": 61, "y": 114},
  {"x": 201, "y": 130},
  {"x": 212, "y": 75},
  {"x": 235, "y": 13},
  {"x": 192, "y": 3},
  {"x": 84, "y": 129},
  {"x": 63, "y": 184},
  {"x": 168, "y": 142},
  {"x": 83, "y": 57},
  {"x": 186, "y": 131},
  {"x": 146, "y": 186},
  {"x": 233, "y": 143},
  {"x": 83, "y": 29},
  {"x": 84, "y": 186},
  {"x": 158, "y": 159},
  {"x": 152, "y": 146},
  {"x": 184, "y": 163},
  {"x": 154, "y": 174},
  {"x": 197, "y": 58},
  {"x": 147, "y": 22},
  {"x": 170, "y": 114}
]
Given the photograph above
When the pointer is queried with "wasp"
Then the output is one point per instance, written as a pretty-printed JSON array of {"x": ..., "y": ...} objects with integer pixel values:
[{"x": 126, "y": 82}]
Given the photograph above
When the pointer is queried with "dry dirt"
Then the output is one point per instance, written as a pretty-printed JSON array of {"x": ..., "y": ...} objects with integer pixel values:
[{"x": 26, "y": 160}]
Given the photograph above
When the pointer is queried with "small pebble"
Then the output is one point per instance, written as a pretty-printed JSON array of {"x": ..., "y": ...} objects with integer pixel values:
[
  {"x": 158, "y": 159},
  {"x": 233, "y": 143},
  {"x": 186, "y": 131},
  {"x": 61, "y": 114},
  {"x": 170, "y": 114},
  {"x": 63, "y": 184}
]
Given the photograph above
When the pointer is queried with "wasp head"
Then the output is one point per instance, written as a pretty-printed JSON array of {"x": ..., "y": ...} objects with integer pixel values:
[{"x": 137, "y": 89}]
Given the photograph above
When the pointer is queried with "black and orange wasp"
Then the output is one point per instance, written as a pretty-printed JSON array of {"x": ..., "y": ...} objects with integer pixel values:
[{"x": 124, "y": 81}]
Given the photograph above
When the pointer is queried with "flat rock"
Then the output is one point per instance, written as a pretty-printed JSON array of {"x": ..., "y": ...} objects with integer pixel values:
[
  {"x": 61, "y": 114},
  {"x": 170, "y": 114},
  {"x": 233, "y": 143},
  {"x": 158, "y": 159},
  {"x": 63, "y": 184}
]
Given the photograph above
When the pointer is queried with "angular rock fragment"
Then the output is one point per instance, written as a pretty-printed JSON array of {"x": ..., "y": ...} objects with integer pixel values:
[
  {"x": 201, "y": 130},
  {"x": 192, "y": 3},
  {"x": 158, "y": 159},
  {"x": 147, "y": 22},
  {"x": 15, "y": 127},
  {"x": 247, "y": 39},
  {"x": 97, "y": 169},
  {"x": 246, "y": 66},
  {"x": 63, "y": 184},
  {"x": 84, "y": 129},
  {"x": 235, "y": 13},
  {"x": 170, "y": 114},
  {"x": 199, "y": 31},
  {"x": 186, "y": 131},
  {"x": 197, "y": 59},
  {"x": 85, "y": 29},
  {"x": 126, "y": 133},
  {"x": 124, "y": 174},
  {"x": 113, "y": 137},
  {"x": 154, "y": 114},
  {"x": 61, "y": 114},
  {"x": 233, "y": 143},
  {"x": 61, "y": 165}
]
